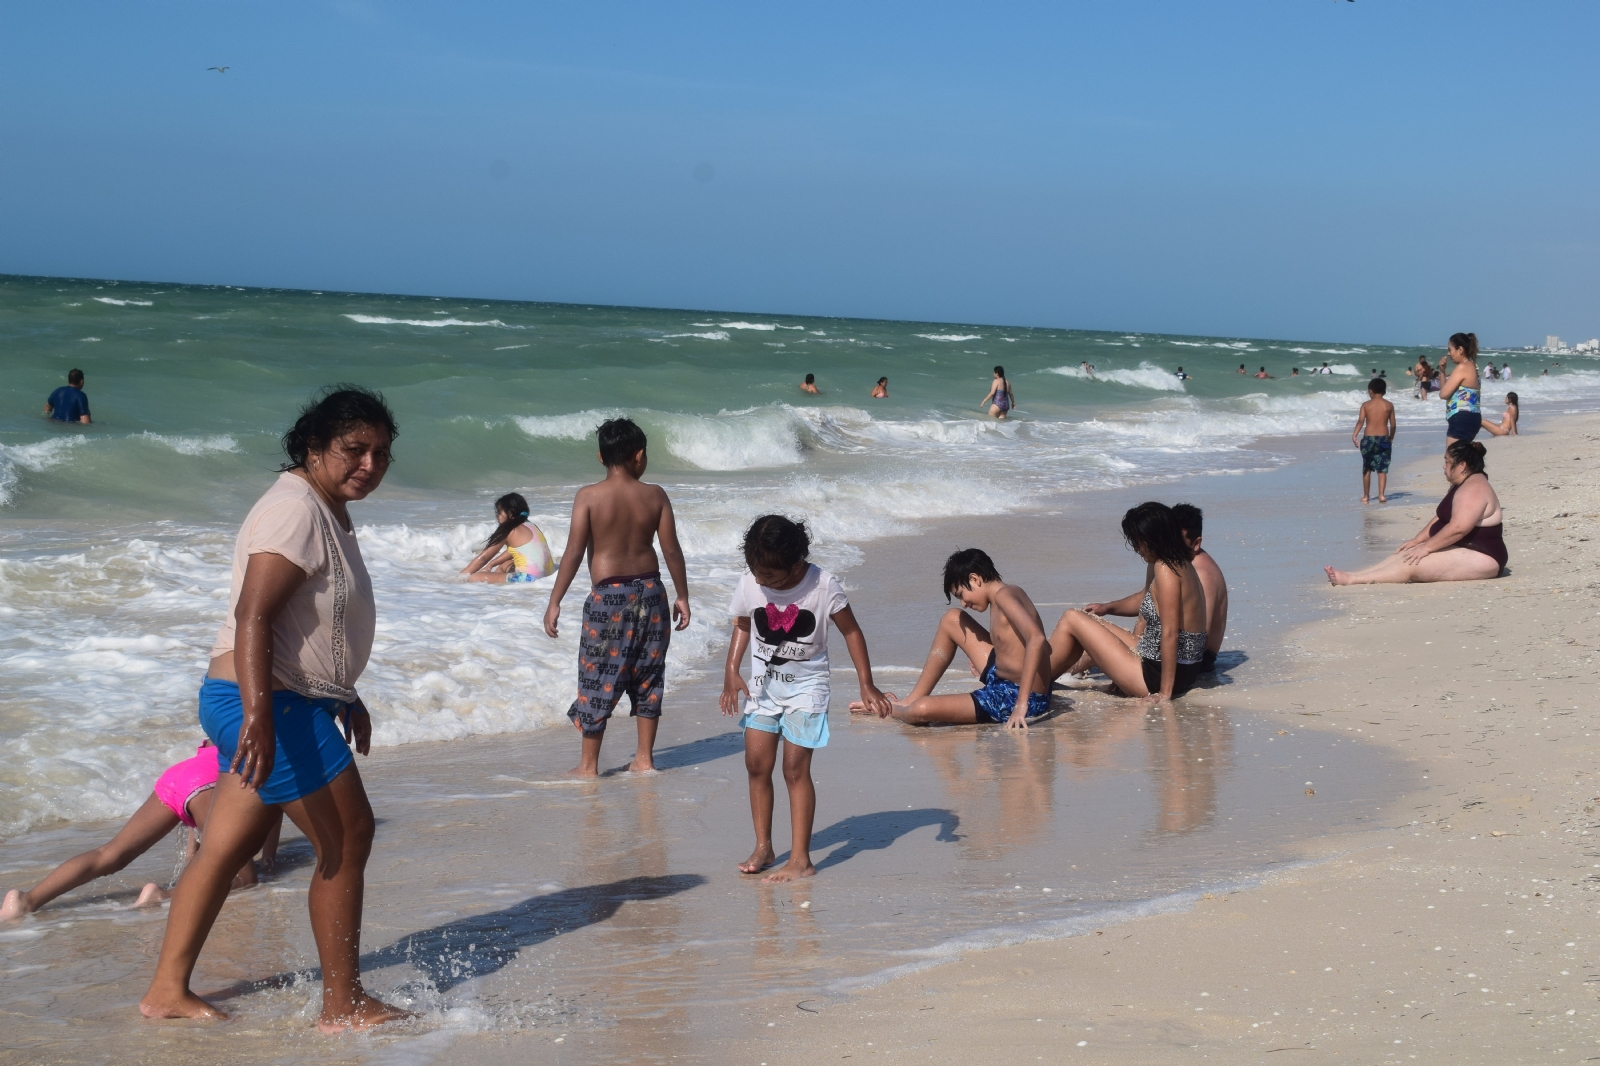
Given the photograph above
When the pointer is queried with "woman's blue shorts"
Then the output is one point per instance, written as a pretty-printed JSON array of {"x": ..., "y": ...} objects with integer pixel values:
[{"x": 311, "y": 746}]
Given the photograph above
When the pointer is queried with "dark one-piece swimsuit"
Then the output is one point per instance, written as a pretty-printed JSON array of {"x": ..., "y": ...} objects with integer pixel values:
[{"x": 1485, "y": 539}]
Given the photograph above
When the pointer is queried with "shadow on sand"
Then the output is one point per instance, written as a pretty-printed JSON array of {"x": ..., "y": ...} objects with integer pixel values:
[{"x": 875, "y": 832}]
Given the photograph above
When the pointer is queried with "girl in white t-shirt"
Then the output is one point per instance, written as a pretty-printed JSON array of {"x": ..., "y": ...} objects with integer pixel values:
[{"x": 787, "y": 602}]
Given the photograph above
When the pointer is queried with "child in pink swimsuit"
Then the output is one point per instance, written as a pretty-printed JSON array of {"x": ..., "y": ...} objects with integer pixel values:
[{"x": 182, "y": 796}]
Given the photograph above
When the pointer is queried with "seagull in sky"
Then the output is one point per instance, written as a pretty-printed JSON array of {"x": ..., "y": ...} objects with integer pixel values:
[{"x": 219, "y": 70}]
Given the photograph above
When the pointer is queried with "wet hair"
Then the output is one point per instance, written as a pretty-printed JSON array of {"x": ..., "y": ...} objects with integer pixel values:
[
  {"x": 75, "y": 377},
  {"x": 774, "y": 542},
  {"x": 811, "y": 379},
  {"x": 334, "y": 411},
  {"x": 883, "y": 381},
  {"x": 1153, "y": 527},
  {"x": 1377, "y": 386},
  {"x": 1263, "y": 370},
  {"x": 1511, "y": 398},
  {"x": 999, "y": 371},
  {"x": 1189, "y": 519},
  {"x": 1467, "y": 342},
  {"x": 963, "y": 566},
  {"x": 620, "y": 440},
  {"x": 1467, "y": 453},
  {"x": 516, "y": 507}
]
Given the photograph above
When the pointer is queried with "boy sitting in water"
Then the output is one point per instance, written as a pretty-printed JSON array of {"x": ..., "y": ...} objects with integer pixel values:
[
  {"x": 1016, "y": 685},
  {"x": 1374, "y": 435},
  {"x": 622, "y": 646}
]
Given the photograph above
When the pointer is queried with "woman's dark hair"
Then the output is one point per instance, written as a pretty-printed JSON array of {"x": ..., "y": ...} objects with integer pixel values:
[
  {"x": 999, "y": 371},
  {"x": 1151, "y": 526},
  {"x": 1511, "y": 398},
  {"x": 1467, "y": 453},
  {"x": 811, "y": 379},
  {"x": 516, "y": 508},
  {"x": 963, "y": 566},
  {"x": 1467, "y": 342},
  {"x": 774, "y": 542},
  {"x": 334, "y": 411},
  {"x": 883, "y": 381},
  {"x": 620, "y": 440}
]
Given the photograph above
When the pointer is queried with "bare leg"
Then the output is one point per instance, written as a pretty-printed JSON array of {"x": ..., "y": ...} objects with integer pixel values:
[
  {"x": 1366, "y": 486},
  {"x": 802, "y": 810},
  {"x": 237, "y": 825},
  {"x": 1111, "y": 648},
  {"x": 1452, "y": 564},
  {"x": 1383, "y": 487},
  {"x": 957, "y": 631},
  {"x": 489, "y": 577},
  {"x": 589, "y": 757},
  {"x": 152, "y": 821},
  {"x": 644, "y": 756},
  {"x": 760, "y": 757}
]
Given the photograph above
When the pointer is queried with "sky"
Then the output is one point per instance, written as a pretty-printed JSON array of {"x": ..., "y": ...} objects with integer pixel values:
[{"x": 1320, "y": 169}]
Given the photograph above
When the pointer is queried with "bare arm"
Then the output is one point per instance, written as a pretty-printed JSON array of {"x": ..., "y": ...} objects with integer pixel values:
[
  {"x": 1361, "y": 420},
  {"x": 577, "y": 548},
  {"x": 667, "y": 533},
  {"x": 1123, "y": 608},
  {"x": 1035, "y": 649},
  {"x": 874, "y": 700},
  {"x": 732, "y": 681},
  {"x": 1470, "y": 507},
  {"x": 1166, "y": 588},
  {"x": 1389, "y": 422},
  {"x": 487, "y": 557},
  {"x": 269, "y": 581}
]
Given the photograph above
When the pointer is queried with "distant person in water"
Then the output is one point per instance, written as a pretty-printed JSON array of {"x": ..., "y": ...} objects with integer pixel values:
[
  {"x": 1464, "y": 540},
  {"x": 1088, "y": 368},
  {"x": 182, "y": 796},
  {"x": 1374, "y": 435},
  {"x": 516, "y": 552},
  {"x": 1295, "y": 372},
  {"x": 1242, "y": 370},
  {"x": 1013, "y": 650},
  {"x": 1491, "y": 372},
  {"x": 880, "y": 391},
  {"x": 998, "y": 399},
  {"x": 1180, "y": 375},
  {"x": 1460, "y": 391},
  {"x": 624, "y": 632},
  {"x": 788, "y": 602},
  {"x": 1507, "y": 426},
  {"x": 1262, "y": 373},
  {"x": 810, "y": 385},
  {"x": 68, "y": 403},
  {"x": 1505, "y": 371}
]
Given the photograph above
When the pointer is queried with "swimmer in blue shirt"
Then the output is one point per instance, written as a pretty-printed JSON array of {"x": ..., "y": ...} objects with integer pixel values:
[{"x": 68, "y": 403}]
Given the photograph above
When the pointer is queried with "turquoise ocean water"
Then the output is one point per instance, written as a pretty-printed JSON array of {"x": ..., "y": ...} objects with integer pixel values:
[{"x": 115, "y": 538}]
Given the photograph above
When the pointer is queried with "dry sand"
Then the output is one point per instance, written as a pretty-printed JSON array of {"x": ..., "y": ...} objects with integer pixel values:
[{"x": 1460, "y": 930}]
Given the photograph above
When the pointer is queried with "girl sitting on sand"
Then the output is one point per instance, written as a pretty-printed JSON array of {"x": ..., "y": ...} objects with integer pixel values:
[
  {"x": 182, "y": 795},
  {"x": 516, "y": 552},
  {"x": 1507, "y": 427},
  {"x": 1462, "y": 543}
]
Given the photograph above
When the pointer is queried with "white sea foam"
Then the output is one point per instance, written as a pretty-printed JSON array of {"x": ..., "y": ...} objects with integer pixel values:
[
  {"x": 379, "y": 320},
  {"x": 124, "y": 303},
  {"x": 1145, "y": 376},
  {"x": 30, "y": 457},
  {"x": 1328, "y": 351},
  {"x": 747, "y": 325},
  {"x": 194, "y": 445},
  {"x": 577, "y": 426},
  {"x": 89, "y": 340},
  {"x": 511, "y": 347},
  {"x": 950, "y": 336},
  {"x": 713, "y": 335}
]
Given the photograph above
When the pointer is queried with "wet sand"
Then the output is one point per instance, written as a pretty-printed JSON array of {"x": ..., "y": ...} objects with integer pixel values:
[{"x": 518, "y": 909}]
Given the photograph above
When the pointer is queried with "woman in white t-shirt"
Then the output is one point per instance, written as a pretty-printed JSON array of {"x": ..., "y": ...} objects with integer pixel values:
[
  {"x": 282, "y": 681},
  {"x": 788, "y": 603}
]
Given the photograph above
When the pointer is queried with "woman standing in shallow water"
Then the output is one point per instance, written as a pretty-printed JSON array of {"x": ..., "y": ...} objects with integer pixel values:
[{"x": 282, "y": 677}]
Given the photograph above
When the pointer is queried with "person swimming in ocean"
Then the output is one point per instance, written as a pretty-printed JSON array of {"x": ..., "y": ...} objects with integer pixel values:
[
  {"x": 1262, "y": 373},
  {"x": 810, "y": 385},
  {"x": 516, "y": 552},
  {"x": 182, "y": 796},
  {"x": 880, "y": 391},
  {"x": 999, "y": 398}
]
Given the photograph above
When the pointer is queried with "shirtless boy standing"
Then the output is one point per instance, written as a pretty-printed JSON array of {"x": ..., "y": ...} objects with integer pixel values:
[
  {"x": 1377, "y": 442},
  {"x": 622, "y": 647},
  {"x": 1014, "y": 651}
]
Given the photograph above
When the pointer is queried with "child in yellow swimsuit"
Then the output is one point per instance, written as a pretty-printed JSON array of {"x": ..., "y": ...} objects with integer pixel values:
[{"x": 516, "y": 552}]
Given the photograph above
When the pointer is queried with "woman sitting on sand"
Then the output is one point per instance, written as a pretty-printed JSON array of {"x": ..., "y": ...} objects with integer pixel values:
[
  {"x": 1462, "y": 543},
  {"x": 516, "y": 552},
  {"x": 1507, "y": 427},
  {"x": 1165, "y": 661}
]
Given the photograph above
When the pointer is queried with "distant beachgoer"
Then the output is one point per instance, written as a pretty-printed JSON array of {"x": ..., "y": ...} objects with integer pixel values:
[
  {"x": 1262, "y": 373},
  {"x": 1295, "y": 372},
  {"x": 296, "y": 638},
  {"x": 1491, "y": 372},
  {"x": 1241, "y": 369},
  {"x": 1190, "y": 524},
  {"x": 1460, "y": 391},
  {"x": 1088, "y": 368},
  {"x": 1013, "y": 651},
  {"x": 1505, "y": 371},
  {"x": 1507, "y": 426},
  {"x": 1464, "y": 541},
  {"x": 1546, "y": 373},
  {"x": 1374, "y": 435},
  {"x": 999, "y": 398},
  {"x": 68, "y": 403},
  {"x": 516, "y": 552},
  {"x": 625, "y": 631},
  {"x": 810, "y": 385},
  {"x": 789, "y": 602},
  {"x": 1167, "y": 658},
  {"x": 1181, "y": 376},
  {"x": 880, "y": 391},
  {"x": 183, "y": 795}
]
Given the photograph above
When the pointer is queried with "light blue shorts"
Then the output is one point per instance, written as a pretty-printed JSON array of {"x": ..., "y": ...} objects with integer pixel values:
[
  {"x": 311, "y": 746},
  {"x": 797, "y": 710}
]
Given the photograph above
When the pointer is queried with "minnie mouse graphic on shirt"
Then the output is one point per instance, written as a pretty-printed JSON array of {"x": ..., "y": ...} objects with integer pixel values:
[{"x": 789, "y": 627}]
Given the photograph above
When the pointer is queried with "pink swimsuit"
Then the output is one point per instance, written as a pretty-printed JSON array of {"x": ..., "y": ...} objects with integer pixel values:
[{"x": 183, "y": 781}]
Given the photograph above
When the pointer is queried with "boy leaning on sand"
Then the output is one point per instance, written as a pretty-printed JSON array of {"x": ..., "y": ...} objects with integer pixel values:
[
  {"x": 622, "y": 646},
  {"x": 1377, "y": 443}
]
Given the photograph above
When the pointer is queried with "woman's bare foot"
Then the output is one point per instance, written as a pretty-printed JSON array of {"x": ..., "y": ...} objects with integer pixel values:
[
  {"x": 1337, "y": 577},
  {"x": 15, "y": 906},
  {"x": 369, "y": 1013},
  {"x": 789, "y": 872},
  {"x": 1365, "y": 500},
  {"x": 759, "y": 860},
  {"x": 151, "y": 894},
  {"x": 185, "y": 1005}
]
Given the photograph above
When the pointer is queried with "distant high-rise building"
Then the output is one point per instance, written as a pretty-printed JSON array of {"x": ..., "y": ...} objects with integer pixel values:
[{"x": 1552, "y": 341}]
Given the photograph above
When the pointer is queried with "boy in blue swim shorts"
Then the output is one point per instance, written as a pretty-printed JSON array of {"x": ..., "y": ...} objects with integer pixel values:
[
  {"x": 781, "y": 609},
  {"x": 1016, "y": 649}
]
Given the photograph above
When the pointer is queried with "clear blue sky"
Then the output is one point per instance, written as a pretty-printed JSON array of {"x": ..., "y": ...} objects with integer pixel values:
[{"x": 1376, "y": 170}]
